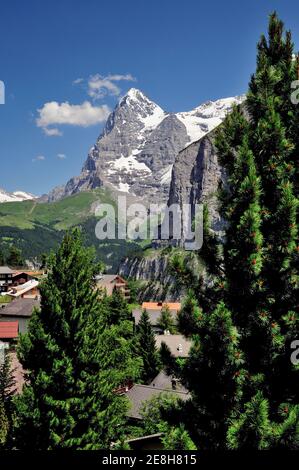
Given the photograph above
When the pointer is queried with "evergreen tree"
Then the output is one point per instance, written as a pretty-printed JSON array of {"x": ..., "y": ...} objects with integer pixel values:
[
  {"x": 146, "y": 348},
  {"x": 75, "y": 360},
  {"x": 15, "y": 257},
  {"x": 118, "y": 309},
  {"x": 4, "y": 425},
  {"x": 7, "y": 392},
  {"x": 253, "y": 429},
  {"x": 7, "y": 385},
  {"x": 215, "y": 376},
  {"x": 2, "y": 258},
  {"x": 178, "y": 439},
  {"x": 258, "y": 276},
  {"x": 166, "y": 321}
]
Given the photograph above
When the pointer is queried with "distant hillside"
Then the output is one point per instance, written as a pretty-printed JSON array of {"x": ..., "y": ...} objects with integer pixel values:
[{"x": 38, "y": 227}]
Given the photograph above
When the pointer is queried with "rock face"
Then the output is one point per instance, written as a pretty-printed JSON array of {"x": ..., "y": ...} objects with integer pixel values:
[
  {"x": 153, "y": 272},
  {"x": 195, "y": 179},
  {"x": 137, "y": 149}
]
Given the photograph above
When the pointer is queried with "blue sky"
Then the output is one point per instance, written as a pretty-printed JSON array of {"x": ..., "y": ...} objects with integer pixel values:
[{"x": 180, "y": 53}]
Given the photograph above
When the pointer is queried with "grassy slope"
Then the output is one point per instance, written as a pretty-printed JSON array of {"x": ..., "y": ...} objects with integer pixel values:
[
  {"x": 59, "y": 215},
  {"x": 38, "y": 227}
]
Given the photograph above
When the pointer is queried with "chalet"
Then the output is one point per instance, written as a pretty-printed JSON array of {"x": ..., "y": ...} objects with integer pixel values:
[
  {"x": 29, "y": 290},
  {"x": 179, "y": 346},
  {"x": 22, "y": 277},
  {"x": 6, "y": 275},
  {"x": 19, "y": 310},
  {"x": 109, "y": 282}
]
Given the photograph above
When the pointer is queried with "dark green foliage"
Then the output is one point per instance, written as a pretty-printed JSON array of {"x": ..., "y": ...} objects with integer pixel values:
[
  {"x": 117, "y": 307},
  {"x": 146, "y": 349},
  {"x": 214, "y": 374},
  {"x": 4, "y": 425},
  {"x": 177, "y": 439},
  {"x": 166, "y": 321},
  {"x": 158, "y": 411},
  {"x": 253, "y": 429},
  {"x": 189, "y": 316},
  {"x": 15, "y": 257},
  {"x": 75, "y": 360},
  {"x": 7, "y": 392},
  {"x": 239, "y": 371}
]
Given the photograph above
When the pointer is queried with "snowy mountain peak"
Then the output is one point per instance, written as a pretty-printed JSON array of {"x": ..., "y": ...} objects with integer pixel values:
[
  {"x": 136, "y": 151},
  {"x": 16, "y": 196},
  {"x": 207, "y": 116}
]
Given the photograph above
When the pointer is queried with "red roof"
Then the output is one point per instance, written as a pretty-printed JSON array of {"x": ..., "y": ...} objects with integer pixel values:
[{"x": 9, "y": 329}]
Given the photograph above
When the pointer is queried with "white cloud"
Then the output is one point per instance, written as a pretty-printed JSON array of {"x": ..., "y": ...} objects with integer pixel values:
[
  {"x": 61, "y": 156},
  {"x": 78, "y": 80},
  {"x": 39, "y": 158},
  {"x": 100, "y": 86},
  {"x": 82, "y": 115},
  {"x": 52, "y": 131}
]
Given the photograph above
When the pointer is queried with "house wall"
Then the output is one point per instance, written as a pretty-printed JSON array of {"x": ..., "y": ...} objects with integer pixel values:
[{"x": 23, "y": 321}]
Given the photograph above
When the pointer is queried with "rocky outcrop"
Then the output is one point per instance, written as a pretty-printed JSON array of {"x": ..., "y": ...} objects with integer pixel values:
[
  {"x": 154, "y": 275},
  {"x": 196, "y": 177}
]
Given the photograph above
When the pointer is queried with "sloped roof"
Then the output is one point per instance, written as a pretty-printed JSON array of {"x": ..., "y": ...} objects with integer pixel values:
[
  {"x": 166, "y": 382},
  {"x": 108, "y": 278},
  {"x": 178, "y": 344},
  {"x": 159, "y": 305},
  {"x": 154, "y": 315},
  {"x": 23, "y": 288},
  {"x": 9, "y": 329},
  {"x": 5, "y": 270},
  {"x": 19, "y": 308},
  {"x": 139, "y": 394}
]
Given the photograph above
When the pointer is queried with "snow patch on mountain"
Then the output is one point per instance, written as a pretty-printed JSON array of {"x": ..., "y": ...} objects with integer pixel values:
[
  {"x": 128, "y": 165},
  {"x": 16, "y": 196},
  {"x": 207, "y": 116},
  {"x": 166, "y": 176}
]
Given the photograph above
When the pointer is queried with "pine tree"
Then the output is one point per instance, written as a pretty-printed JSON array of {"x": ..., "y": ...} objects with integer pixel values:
[
  {"x": 4, "y": 425},
  {"x": 118, "y": 308},
  {"x": 178, "y": 439},
  {"x": 214, "y": 375},
  {"x": 7, "y": 382},
  {"x": 15, "y": 257},
  {"x": 190, "y": 315},
  {"x": 146, "y": 348},
  {"x": 7, "y": 392},
  {"x": 2, "y": 258},
  {"x": 257, "y": 280},
  {"x": 75, "y": 360},
  {"x": 253, "y": 429},
  {"x": 166, "y": 321}
]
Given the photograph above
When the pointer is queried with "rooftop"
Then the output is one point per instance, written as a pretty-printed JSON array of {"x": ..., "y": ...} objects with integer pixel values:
[
  {"x": 19, "y": 308},
  {"x": 179, "y": 346},
  {"x": 154, "y": 315},
  {"x": 139, "y": 394},
  {"x": 107, "y": 278},
  {"x": 5, "y": 270},
  {"x": 17, "y": 291},
  {"x": 167, "y": 383},
  {"x": 159, "y": 305},
  {"x": 9, "y": 329}
]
